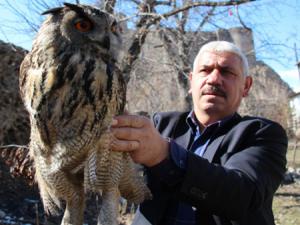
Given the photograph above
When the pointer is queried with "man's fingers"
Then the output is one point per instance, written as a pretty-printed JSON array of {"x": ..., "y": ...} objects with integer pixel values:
[
  {"x": 129, "y": 121},
  {"x": 125, "y": 146},
  {"x": 126, "y": 133}
]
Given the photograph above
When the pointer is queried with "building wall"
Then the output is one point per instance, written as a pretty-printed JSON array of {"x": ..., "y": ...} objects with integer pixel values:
[{"x": 295, "y": 108}]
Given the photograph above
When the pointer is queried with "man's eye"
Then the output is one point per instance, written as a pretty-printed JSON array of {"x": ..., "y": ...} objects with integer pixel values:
[
  {"x": 204, "y": 70},
  {"x": 231, "y": 73},
  {"x": 227, "y": 72}
]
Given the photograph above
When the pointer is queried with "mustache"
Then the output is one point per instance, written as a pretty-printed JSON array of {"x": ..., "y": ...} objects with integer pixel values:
[{"x": 214, "y": 90}]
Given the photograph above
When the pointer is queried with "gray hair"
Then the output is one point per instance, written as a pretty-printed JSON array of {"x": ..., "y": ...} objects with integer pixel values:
[{"x": 224, "y": 46}]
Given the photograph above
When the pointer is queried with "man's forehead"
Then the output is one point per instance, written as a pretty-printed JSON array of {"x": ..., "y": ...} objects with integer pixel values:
[{"x": 211, "y": 57}]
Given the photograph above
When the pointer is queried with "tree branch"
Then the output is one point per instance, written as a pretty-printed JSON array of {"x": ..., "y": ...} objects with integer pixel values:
[
  {"x": 108, "y": 5},
  {"x": 207, "y": 3},
  {"x": 149, "y": 17},
  {"x": 240, "y": 19}
]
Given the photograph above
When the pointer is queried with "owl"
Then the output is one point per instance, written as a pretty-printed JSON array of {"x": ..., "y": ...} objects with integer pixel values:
[{"x": 71, "y": 87}]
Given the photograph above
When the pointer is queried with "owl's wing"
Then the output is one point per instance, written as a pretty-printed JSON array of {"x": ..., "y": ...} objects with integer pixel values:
[
  {"x": 25, "y": 65},
  {"x": 121, "y": 90}
]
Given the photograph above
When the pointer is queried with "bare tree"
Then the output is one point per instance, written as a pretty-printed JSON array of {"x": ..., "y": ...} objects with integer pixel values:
[{"x": 181, "y": 15}]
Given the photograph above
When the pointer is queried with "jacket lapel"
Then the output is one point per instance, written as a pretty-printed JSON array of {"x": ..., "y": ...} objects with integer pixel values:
[
  {"x": 216, "y": 142},
  {"x": 212, "y": 148},
  {"x": 182, "y": 133},
  {"x": 185, "y": 139}
]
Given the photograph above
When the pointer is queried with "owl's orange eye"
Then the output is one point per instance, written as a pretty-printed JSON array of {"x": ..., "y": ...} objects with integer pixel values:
[{"x": 84, "y": 25}]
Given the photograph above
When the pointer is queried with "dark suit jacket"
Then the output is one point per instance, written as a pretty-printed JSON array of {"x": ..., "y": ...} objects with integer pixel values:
[{"x": 235, "y": 180}]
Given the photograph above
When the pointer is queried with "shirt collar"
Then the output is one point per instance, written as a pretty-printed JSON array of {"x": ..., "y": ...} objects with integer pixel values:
[{"x": 192, "y": 121}]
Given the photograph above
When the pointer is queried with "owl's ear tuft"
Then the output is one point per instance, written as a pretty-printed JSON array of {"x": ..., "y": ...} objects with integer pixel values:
[
  {"x": 52, "y": 11},
  {"x": 75, "y": 8}
]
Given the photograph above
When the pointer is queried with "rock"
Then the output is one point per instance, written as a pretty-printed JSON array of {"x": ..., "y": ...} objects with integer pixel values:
[
  {"x": 291, "y": 176},
  {"x": 2, "y": 214},
  {"x": 288, "y": 178}
]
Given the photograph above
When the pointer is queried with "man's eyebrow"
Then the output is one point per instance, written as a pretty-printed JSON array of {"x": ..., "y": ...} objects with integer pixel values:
[
  {"x": 206, "y": 65},
  {"x": 201, "y": 67},
  {"x": 225, "y": 67}
]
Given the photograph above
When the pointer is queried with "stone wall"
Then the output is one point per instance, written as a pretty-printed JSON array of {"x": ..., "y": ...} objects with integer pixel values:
[
  {"x": 269, "y": 96},
  {"x": 154, "y": 83},
  {"x": 14, "y": 126}
]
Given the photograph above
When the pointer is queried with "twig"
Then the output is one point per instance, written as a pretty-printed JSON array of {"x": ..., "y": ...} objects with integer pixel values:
[{"x": 197, "y": 4}]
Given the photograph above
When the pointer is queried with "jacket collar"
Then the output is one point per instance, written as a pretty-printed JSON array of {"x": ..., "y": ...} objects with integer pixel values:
[{"x": 184, "y": 134}]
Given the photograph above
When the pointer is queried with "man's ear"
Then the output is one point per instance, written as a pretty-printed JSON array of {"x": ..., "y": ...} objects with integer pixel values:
[
  {"x": 247, "y": 85},
  {"x": 190, "y": 79}
]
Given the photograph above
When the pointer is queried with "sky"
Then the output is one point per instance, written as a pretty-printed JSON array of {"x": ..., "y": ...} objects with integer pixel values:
[{"x": 274, "y": 20}]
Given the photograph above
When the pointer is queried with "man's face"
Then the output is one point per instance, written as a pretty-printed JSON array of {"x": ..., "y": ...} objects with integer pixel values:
[{"x": 218, "y": 85}]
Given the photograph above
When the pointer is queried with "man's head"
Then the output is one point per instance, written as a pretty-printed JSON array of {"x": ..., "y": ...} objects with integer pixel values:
[{"x": 219, "y": 81}]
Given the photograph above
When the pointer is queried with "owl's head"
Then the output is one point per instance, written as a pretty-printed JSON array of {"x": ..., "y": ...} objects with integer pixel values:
[{"x": 81, "y": 25}]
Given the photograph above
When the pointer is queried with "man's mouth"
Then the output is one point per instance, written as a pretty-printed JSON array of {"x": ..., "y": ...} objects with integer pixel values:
[{"x": 214, "y": 90}]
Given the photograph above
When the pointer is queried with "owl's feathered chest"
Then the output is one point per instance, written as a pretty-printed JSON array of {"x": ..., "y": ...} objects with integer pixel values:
[{"x": 73, "y": 95}]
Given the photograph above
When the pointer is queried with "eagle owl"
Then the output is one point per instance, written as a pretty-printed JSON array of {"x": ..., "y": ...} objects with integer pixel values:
[{"x": 71, "y": 87}]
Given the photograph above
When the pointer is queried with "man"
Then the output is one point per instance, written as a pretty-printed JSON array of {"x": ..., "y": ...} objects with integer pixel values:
[{"x": 209, "y": 166}]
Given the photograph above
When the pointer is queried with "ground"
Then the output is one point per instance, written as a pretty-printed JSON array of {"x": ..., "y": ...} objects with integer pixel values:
[
  {"x": 28, "y": 211},
  {"x": 286, "y": 205}
]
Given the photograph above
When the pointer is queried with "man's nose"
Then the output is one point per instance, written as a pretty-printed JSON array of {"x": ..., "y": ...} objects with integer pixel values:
[{"x": 215, "y": 77}]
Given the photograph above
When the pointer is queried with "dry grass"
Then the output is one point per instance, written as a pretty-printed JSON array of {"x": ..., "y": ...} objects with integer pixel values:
[
  {"x": 293, "y": 157},
  {"x": 286, "y": 205}
]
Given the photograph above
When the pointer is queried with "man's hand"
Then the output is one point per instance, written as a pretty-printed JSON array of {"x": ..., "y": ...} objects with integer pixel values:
[{"x": 138, "y": 136}]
